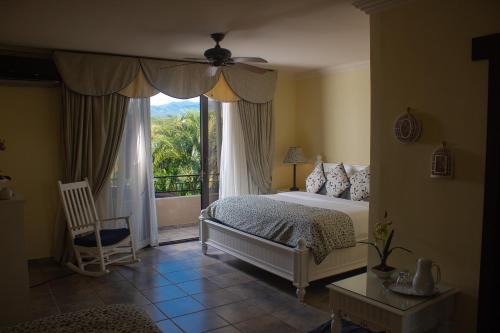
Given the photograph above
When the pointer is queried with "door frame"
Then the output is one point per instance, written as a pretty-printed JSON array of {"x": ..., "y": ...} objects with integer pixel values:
[
  {"x": 205, "y": 190},
  {"x": 488, "y": 48}
]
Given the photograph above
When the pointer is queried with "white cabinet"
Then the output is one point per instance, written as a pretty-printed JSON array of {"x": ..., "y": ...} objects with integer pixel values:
[{"x": 14, "y": 281}]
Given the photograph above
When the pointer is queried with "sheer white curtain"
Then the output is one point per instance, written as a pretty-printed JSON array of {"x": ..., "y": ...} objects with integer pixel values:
[
  {"x": 234, "y": 175},
  {"x": 130, "y": 190}
]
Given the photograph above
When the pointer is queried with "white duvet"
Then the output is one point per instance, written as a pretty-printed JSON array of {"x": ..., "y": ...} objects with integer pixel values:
[{"x": 357, "y": 210}]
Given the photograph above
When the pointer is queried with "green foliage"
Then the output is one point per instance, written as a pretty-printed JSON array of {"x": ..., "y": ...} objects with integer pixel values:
[
  {"x": 176, "y": 151},
  {"x": 176, "y": 144}
]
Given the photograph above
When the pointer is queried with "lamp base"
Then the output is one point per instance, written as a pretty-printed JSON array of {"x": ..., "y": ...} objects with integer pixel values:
[{"x": 294, "y": 188}]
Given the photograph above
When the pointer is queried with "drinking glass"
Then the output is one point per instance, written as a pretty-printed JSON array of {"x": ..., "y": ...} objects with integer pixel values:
[{"x": 404, "y": 279}]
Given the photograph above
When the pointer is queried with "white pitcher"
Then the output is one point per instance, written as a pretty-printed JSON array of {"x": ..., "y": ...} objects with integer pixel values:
[{"x": 423, "y": 281}]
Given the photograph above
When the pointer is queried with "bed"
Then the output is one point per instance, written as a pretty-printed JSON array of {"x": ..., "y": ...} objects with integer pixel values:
[{"x": 296, "y": 264}]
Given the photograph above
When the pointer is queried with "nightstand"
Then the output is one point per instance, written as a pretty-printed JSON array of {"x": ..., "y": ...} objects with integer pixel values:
[{"x": 364, "y": 300}]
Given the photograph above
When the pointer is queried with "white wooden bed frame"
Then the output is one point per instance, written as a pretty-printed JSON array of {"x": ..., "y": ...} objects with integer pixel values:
[{"x": 294, "y": 264}]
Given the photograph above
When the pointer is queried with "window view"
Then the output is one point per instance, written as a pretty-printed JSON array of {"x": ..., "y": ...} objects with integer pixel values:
[{"x": 175, "y": 141}]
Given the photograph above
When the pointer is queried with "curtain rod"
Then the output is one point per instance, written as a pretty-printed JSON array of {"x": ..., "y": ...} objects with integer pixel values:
[
  {"x": 16, "y": 50},
  {"x": 6, "y": 49}
]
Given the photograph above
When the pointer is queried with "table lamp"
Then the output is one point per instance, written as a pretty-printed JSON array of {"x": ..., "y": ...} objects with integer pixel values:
[{"x": 294, "y": 156}]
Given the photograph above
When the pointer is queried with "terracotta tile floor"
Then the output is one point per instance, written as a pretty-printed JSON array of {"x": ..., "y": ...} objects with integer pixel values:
[
  {"x": 172, "y": 234},
  {"x": 184, "y": 291}
]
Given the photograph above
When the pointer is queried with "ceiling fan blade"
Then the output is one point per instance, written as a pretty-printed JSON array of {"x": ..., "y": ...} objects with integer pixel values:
[
  {"x": 251, "y": 68},
  {"x": 248, "y": 59}
]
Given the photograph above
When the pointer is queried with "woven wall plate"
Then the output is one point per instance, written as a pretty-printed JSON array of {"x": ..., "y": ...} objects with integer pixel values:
[{"x": 407, "y": 128}]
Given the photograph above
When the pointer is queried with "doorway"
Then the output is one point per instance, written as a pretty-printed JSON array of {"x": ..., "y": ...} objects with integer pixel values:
[{"x": 185, "y": 140}]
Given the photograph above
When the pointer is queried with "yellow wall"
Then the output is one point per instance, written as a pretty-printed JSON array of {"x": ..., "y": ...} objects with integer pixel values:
[
  {"x": 284, "y": 130},
  {"x": 30, "y": 124},
  {"x": 421, "y": 57},
  {"x": 333, "y": 117}
]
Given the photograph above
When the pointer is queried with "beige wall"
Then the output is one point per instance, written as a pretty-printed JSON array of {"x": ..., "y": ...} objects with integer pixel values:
[
  {"x": 333, "y": 116},
  {"x": 421, "y": 57},
  {"x": 179, "y": 210},
  {"x": 30, "y": 124},
  {"x": 284, "y": 106}
]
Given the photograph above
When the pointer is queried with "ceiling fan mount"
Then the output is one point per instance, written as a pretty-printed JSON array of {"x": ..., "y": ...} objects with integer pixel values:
[{"x": 218, "y": 56}]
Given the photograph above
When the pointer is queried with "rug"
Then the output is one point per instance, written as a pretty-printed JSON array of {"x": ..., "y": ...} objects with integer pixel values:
[
  {"x": 347, "y": 327},
  {"x": 119, "y": 318}
]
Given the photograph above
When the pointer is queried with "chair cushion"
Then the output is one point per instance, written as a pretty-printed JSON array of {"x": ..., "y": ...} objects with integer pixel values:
[{"x": 108, "y": 237}]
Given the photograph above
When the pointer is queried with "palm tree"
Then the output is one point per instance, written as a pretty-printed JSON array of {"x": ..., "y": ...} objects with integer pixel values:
[{"x": 176, "y": 149}]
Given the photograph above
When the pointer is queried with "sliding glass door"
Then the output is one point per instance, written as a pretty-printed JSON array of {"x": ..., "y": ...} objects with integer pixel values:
[{"x": 211, "y": 142}]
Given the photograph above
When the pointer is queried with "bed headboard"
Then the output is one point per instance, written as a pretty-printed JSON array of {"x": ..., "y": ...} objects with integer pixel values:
[{"x": 351, "y": 169}]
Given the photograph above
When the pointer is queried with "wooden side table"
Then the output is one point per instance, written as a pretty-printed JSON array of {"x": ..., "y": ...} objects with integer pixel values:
[{"x": 364, "y": 300}]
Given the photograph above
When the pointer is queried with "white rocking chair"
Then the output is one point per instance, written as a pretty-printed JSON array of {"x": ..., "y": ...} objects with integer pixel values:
[{"x": 92, "y": 244}]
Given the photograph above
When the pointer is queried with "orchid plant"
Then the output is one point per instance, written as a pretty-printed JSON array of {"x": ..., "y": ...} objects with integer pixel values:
[
  {"x": 3, "y": 147},
  {"x": 382, "y": 236}
]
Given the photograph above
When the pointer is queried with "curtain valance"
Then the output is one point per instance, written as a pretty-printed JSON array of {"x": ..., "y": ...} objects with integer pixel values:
[
  {"x": 98, "y": 75},
  {"x": 95, "y": 74}
]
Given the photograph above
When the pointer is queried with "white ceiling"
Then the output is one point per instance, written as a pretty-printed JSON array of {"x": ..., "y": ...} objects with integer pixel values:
[{"x": 292, "y": 34}]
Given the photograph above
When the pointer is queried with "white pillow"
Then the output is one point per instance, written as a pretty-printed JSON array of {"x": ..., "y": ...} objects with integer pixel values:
[
  {"x": 316, "y": 179},
  {"x": 360, "y": 185},
  {"x": 337, "y": 181}
]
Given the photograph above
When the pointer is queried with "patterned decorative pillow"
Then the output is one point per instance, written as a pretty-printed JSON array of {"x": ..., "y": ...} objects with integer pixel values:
[
  {"x": 337, "y": 181},
  {"x": 316, "y": 179},
  {"x": 360, "y": 185}
]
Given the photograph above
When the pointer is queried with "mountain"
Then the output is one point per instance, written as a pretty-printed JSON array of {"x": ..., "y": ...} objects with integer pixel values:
[{"x": 173, "y": 109}]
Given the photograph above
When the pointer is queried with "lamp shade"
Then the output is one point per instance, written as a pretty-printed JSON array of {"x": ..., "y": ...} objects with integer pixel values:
[{"x": 295, "y": 155}]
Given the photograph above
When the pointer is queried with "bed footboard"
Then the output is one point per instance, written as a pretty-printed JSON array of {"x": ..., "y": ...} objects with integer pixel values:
[
  {"x": 289, "y": 263},
  {"x": 294, "y": 264}
]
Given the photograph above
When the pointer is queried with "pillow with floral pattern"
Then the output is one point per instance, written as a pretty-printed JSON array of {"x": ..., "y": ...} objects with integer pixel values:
[
  {"x": 316, "y": 179},
  {"x": 360, "y": 185},
  {"x": 337, "y": 181}
]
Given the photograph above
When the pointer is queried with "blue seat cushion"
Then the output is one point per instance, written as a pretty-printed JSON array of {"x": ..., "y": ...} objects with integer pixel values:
[{"x": 108, "y": 237}]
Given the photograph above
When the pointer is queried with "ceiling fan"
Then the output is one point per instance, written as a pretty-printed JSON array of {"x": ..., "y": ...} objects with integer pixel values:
[{"x": 218, "y": 56}]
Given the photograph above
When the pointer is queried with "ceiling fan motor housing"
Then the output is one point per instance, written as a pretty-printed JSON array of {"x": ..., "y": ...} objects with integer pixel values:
[{"x": 217, "y": 55}]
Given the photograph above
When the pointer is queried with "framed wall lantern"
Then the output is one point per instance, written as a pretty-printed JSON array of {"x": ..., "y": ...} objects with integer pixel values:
[{"x": 442, "y": 162}]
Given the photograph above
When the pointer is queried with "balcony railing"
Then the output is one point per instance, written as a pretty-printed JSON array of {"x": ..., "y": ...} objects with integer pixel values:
[{"x": 182, "y": 185}]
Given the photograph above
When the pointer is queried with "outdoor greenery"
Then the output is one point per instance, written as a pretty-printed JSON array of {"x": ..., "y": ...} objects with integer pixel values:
[
  {"x": 176, "y": 144},
  {"x": 175, "y": 140}
]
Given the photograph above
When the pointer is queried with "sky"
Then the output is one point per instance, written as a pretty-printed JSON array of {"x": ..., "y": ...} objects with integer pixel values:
[{"x": 160, "y": 99}]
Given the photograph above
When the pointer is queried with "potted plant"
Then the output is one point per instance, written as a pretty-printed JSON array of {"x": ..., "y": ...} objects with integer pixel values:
[{"x": 383, "y": 235}]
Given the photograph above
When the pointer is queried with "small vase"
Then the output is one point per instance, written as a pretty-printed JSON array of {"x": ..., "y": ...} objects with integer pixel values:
[{"x": 383, "y": 272}]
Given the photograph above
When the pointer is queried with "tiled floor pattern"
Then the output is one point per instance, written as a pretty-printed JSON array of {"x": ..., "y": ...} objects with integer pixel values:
[
  {"x": 172, "y": 234},
  {"x": 184, "y": 291}
]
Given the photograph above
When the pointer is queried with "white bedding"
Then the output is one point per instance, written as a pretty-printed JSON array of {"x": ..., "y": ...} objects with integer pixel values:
[{"x": 357, "y": 210}]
